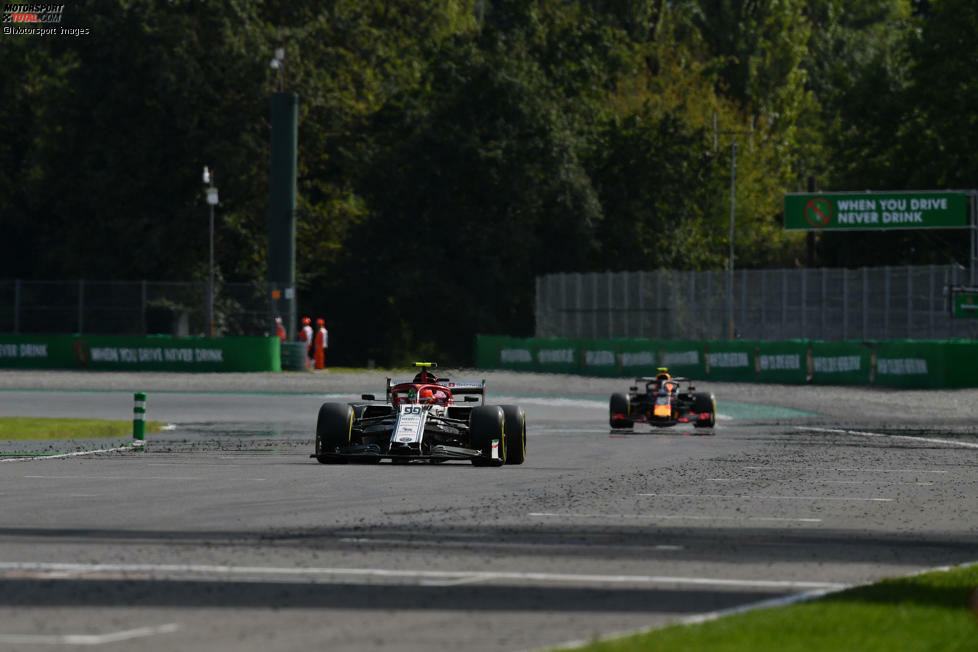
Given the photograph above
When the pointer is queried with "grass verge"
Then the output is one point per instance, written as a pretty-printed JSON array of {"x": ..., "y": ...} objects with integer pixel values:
[
  {"x": 929, "y": 612},
  {"x": 27, "y": 428}
]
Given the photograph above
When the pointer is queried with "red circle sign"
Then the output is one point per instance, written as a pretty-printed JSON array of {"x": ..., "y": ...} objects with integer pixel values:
[{"x": 818, "y": 212}]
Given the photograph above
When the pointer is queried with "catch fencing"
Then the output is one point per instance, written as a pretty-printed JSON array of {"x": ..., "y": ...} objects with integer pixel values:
[
  {"x": 132, "y": 308},
  {"x": 767, "y": 304}
]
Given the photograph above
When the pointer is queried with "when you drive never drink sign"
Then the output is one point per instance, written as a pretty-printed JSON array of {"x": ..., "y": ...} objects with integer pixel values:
[{"x": 830, "y": 211}]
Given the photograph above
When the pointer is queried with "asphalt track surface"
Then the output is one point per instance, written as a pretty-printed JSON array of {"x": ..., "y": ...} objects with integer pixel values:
[{"x": 224, "y": 535}]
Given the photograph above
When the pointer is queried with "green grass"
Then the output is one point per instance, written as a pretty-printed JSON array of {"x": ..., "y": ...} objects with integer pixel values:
[
  {"x": 927, "y": 612},
  {"x": 17, "y": 428}
]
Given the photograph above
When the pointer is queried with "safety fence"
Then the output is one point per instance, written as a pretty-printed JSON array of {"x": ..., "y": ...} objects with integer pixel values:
[
  {"x": 133, "y": 307},
  {"x": 897, "y": 363},
  {"x": 152, "y": 353},
  {"x": 763, "y": 304}
]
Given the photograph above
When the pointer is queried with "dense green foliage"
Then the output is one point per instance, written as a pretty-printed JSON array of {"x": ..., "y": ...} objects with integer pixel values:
[{"x": 452, "y": 150}]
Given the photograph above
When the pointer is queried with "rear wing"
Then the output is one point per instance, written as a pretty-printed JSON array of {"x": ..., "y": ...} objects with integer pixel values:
[{"x": 457, "y": 387}]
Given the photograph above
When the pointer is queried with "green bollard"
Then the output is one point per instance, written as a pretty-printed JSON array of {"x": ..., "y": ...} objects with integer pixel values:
[{"x": 139, "y": 417}]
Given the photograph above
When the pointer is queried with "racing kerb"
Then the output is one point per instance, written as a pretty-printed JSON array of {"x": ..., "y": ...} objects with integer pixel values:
[{"x": 897, "y": 363}]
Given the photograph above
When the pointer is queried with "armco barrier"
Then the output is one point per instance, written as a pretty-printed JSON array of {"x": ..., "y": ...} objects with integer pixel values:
[
  {"x": 896, "y": 363},
  {"x": 152, "y": 353}
]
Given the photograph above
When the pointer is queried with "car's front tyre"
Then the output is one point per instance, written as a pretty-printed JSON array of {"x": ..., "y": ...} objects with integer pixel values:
[
  {"x": 486, "y": 425},
  {"x": 334, "y": 427},
  {"x": 514, "y": 425},
  {"x": 618, "y": 411}
]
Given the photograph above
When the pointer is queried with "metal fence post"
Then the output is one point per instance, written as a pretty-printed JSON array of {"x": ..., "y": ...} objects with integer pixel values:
[
  {"x": 764, "y": 273},
  {"x": 81, "y": 306},
  {"x": 909, "y": 301},
  {"x": 845, "y": 303},
  {"x": 865, "y": 303},
  {"x": 579, "y": 283},
  {"x": 804, "y": 302},
  {"x": 594, "y": 305},
  {"x": 886, "y": 302},
  {"x": 930, "y": 304},
  {"x": 564, "y": 306},
  {"x": 784, "y": 303},
  {"x": 658, "y": 303},
  {"x": 611, "y": 309},
  {"x": 824, "y": 303},
  {"x": 142, "y": 304},
  {"x": 17, "y": 306}
]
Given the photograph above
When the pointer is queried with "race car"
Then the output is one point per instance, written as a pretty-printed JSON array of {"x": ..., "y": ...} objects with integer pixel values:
[
  {"x": 663, "y": 403},
  {"x": 423, "y": 419}
]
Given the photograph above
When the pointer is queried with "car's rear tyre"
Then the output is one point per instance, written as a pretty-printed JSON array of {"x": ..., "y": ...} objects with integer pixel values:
[
  {"x": 514, "y": 425},
  {"x": 704, "y": 402},
  {"x": 334, "y": 426},
  {"x": 486, "y": 424},
  {"x": 619, "y": 405}
]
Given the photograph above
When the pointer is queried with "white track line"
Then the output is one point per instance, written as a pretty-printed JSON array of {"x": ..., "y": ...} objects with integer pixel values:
[
  {"x": 32, "y": 458},
  {"x": 88, "y": 639},
  {"x": 761, "y": 497},
  {"x": 423, "y": 575},
  {"x": 721, "y": 613},
  {"x": 674, "y": 517},
  {"x": 858, "y": 470},
  {"x": 873, "y": 482},
  {"x": 931, "y": 440}
]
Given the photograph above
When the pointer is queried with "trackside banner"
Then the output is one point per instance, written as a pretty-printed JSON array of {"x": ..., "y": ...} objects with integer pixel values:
[
  {"x": 830, "y": 211},
  {"x": 897, "y": 363},
  {"x": 152, "y": 353}
]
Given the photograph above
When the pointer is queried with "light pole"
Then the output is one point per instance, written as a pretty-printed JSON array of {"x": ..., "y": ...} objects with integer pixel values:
[
  {"x": 730, "y": 262},
  {"x": 208, "y": 178},
  {"x": 733, "y": 201}
]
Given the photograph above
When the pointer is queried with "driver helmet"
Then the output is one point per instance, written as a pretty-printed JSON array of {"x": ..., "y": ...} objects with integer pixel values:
[
  {"x": 426, "y": 396},
  {"x": 306, "y": 321}
]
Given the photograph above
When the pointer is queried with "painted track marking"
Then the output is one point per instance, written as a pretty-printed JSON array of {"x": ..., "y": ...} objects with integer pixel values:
[
  {"x": 860, "y": 433},
  {"x": 420, "y": 575},
  {"x": 89, "y": 639},
  {"x": 127, "y": 447},
  {"x": 675, "y": 517},
  {"x": 760, "y": 497},
  {"x": 856, "y": 469},
  {"x": 873, "y": 482}
]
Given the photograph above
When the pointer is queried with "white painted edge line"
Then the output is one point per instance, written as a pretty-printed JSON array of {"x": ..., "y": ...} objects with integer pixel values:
[
  {"x": 697, "y": 619},
  {"x": 930, "y": 440},
  {"x": 763, "y": 497},
  {"x": 674, "y": 517},
  {"x": 89, "y": 639},
  {"x": 469, "y": 576},
  {"x": 33, "y": 458}
]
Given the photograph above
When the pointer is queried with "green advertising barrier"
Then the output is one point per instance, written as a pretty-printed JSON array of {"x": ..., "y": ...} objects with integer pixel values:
[
  {"x": 599, "y": 357},
  {"x": 841, "y": 363},
  {"x": 639, "y": 357},
  {"x": 683, "y": 358},
  {"x": 961, "y": 363},
  {"x": 151, "y": 353},
  {"x": 559, "y": 355},
  {"x": 896, "y": 363},
  {"x": 781, "y": 362},
  {"x": 910, "y": 363},
  {"x": 731, "y": 361}
]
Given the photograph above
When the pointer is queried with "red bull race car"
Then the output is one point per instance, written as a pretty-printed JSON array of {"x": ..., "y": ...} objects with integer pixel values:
[
  {"x": 662, "y": 403},
  {"x": 423, "y": 419}
]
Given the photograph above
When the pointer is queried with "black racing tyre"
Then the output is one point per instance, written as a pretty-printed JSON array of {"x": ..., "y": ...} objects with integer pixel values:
[
  {"x": 485, "y": 425},
  {"x": 514, "y": 424},
  {"x": 705, "y": 402},
  {"x": 619, "y": 405},
  {"x": 334, "y": 427}
]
